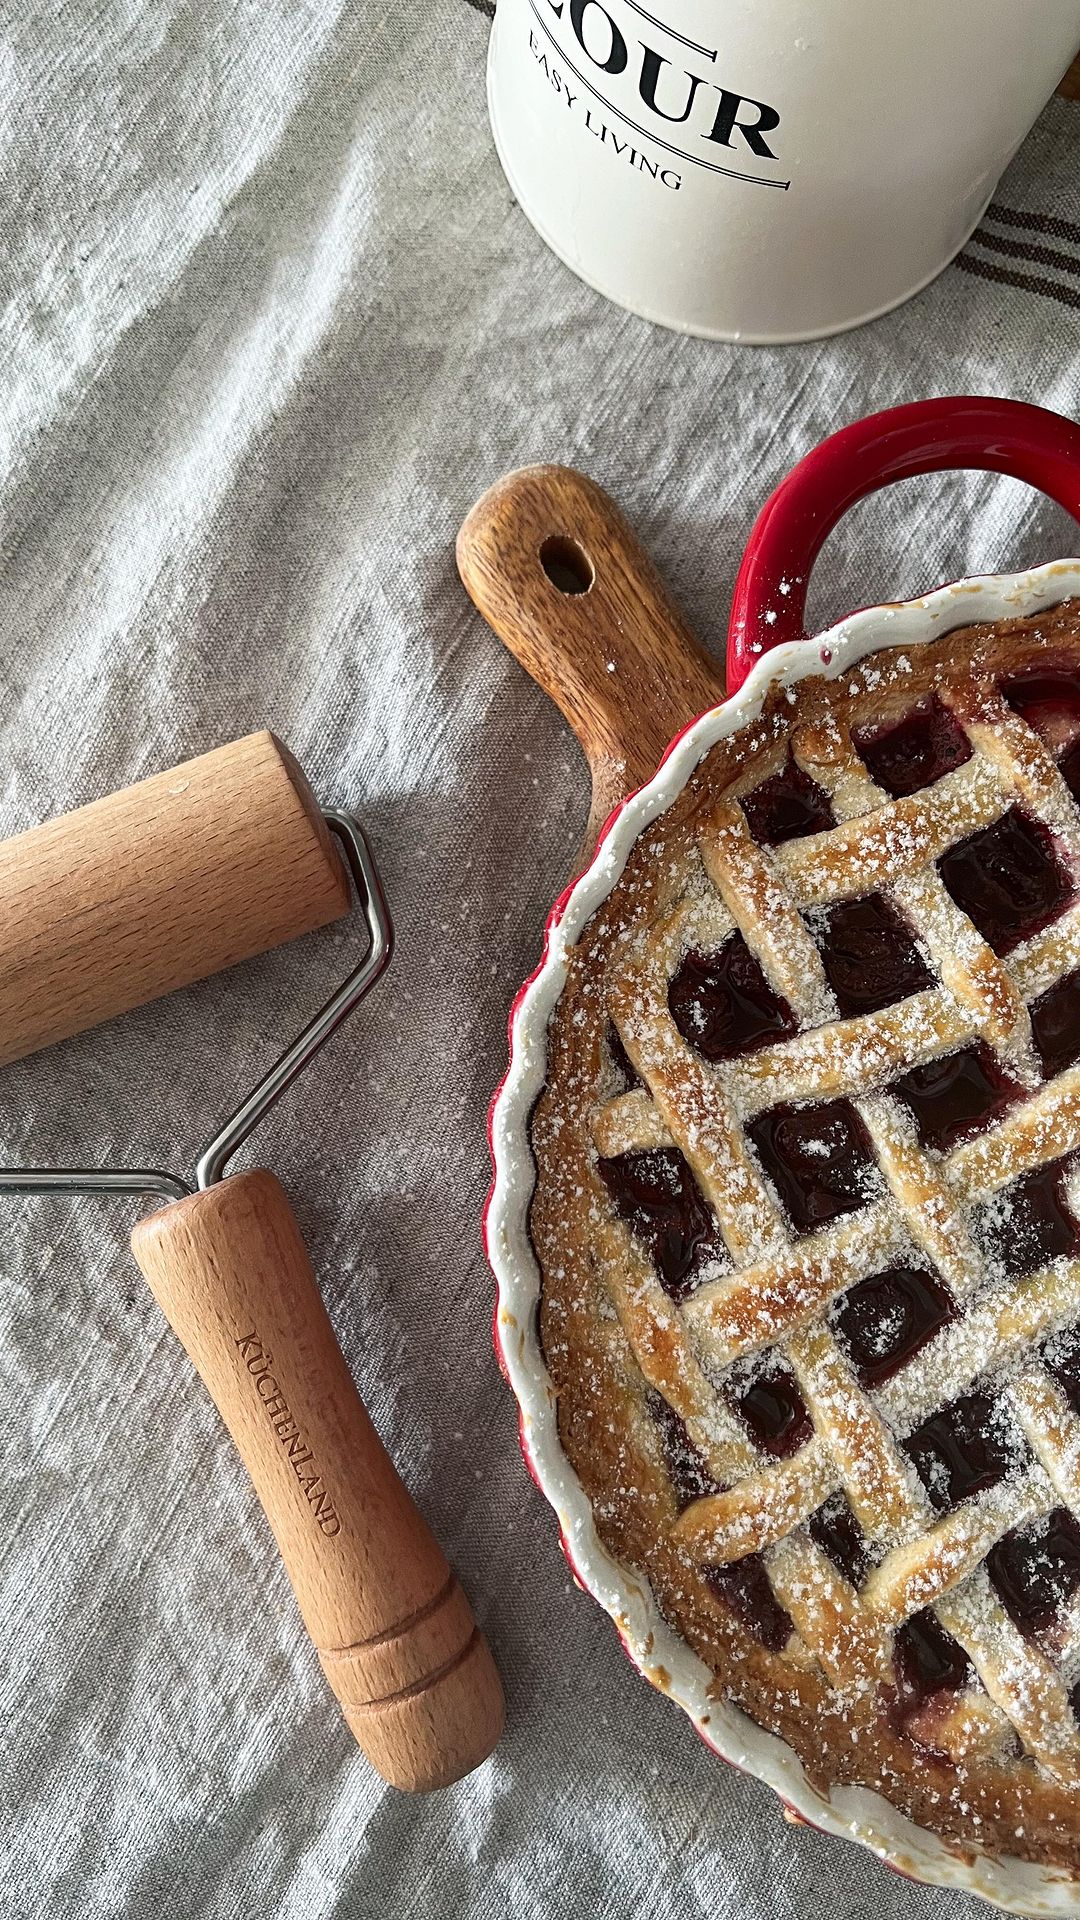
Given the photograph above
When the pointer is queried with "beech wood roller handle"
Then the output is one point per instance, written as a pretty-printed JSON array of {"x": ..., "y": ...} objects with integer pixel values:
[
  {"x": 166, "y": 882},
  {"x": 393, "y": 1630},
  {"x": 554, "y": 567}
]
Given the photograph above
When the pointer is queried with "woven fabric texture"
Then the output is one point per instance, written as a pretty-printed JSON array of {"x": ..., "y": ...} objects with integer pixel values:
[{"x": 270, "y": 322}]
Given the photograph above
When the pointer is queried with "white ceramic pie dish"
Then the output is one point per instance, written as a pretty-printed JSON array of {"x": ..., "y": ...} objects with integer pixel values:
[{"x": 661, "y": 1656}]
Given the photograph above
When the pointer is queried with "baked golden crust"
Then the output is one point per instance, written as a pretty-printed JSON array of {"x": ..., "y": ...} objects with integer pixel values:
[{"x": 644, "y": 1371}]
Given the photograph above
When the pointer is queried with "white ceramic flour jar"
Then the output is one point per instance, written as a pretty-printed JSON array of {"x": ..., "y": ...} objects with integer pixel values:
[{"x": 766, "y": 170}]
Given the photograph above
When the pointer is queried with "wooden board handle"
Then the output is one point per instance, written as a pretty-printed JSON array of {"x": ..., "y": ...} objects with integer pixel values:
[
  {"x": 552, "y": 565},
  {"x": 163, "y": 883},
  {"x": 393, "y": 1630}
]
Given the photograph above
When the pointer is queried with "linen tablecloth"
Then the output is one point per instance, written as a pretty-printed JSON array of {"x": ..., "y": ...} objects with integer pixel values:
[{"x": 270, "y": 322}]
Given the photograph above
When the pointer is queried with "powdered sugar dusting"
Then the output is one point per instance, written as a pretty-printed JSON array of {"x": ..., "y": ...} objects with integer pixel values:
[{"x": 934, "y": 1196}]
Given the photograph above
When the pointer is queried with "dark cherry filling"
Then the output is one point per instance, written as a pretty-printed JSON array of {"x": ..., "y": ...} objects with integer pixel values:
[
  {"x": 1074, "y": 1701},
  {"x": 659, "y": 1199},
  {"x": 1035, "y": 1569},
  {"x": 744, "y": 1588},
  {"x": 928, "y": 1660},
  {"x": 818, "y": 1158},
  {"x": 1007, "y": 879},
  {"x": 1049, "y": 702},
  {"x": 787, "y": 806},
  {"x": 869, "y": 956},
  {"x": 1061, "y": 1357},
  {"x": 963, "y": 1450},
  {"x": 621, "y": 1060},
  {"x": 1055, "y": 1025},
  {"x": 771, "y": 1407},
  {"x": 1028, "y": 1224},
  {"x": 839, "y": 1534},
  {"x": 884, "y": 1321},
  {"x": 956, "y": 1096},
  {"x": 927, "y": 743},
  {"x": 723, "y": 1005},
  {"x": 690, "y": 1477}
]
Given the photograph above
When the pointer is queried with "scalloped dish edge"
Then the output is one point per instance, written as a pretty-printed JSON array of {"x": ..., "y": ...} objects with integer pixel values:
[{"x": 664, "y": 1659}]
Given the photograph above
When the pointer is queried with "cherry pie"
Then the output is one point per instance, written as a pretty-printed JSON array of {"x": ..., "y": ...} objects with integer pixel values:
[{"x": 807, "y": 1215}]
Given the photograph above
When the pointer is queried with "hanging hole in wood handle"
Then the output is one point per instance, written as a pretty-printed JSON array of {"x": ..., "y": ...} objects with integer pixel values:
[
  {"x": 555, "y": 569},
  {"x": 393, "y": 1629},
  {"x": 929, "y": 436},
  {"x": 567, "y": 564}
]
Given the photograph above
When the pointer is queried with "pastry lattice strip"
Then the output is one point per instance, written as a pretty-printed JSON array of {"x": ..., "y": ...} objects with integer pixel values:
[{"x": 780, "y": 1289}]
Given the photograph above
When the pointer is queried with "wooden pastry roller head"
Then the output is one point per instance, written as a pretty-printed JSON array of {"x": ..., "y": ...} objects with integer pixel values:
[
  {"x": 103, "y": 910},
  {"x": 164, "y": 883}
]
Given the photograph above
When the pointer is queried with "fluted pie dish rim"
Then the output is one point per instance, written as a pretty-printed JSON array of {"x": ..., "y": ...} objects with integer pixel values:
[{"x": 660, "y": 1654}]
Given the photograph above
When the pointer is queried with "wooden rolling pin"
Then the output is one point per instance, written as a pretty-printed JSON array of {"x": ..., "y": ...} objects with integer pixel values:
[
  {"x": 103, "y": 910},
  {"x": 169, "y": 881},
  {"x": 392, "y": 1628}
]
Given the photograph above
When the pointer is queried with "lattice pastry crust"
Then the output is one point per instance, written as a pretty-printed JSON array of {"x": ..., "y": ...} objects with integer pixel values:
[{"x": 807, "y": 1206}]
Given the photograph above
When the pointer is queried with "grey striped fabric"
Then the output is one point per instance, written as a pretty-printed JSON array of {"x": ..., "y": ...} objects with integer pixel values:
[{"x": 1031, "y": 252}]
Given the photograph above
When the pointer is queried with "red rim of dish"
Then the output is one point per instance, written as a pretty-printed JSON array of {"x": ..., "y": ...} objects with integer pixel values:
[{"x": 960, "y": 431}]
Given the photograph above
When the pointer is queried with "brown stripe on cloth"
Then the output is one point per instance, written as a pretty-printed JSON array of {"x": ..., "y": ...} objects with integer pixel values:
[
  {"x": 1029, "y": 282},
  {"x": 1048, "y": 223},
  {"x": 1027, "y": 253},
  {"x": 1069, "y": 84},
  {"x": 1026, "y": 250}
]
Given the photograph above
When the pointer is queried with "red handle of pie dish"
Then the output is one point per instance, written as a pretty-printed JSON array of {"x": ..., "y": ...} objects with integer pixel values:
[{"x": 1002, "y": 436}]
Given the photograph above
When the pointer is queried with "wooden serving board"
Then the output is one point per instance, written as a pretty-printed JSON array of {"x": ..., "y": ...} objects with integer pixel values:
[{"x": 554, "y": 568}]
